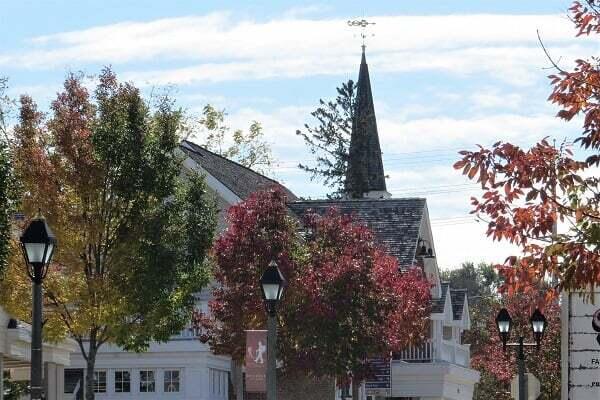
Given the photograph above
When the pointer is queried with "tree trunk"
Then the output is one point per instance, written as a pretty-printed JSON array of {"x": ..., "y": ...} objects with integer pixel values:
[
  {"x": 237, "y": 379},
  {"x": 89, "y": 373}
]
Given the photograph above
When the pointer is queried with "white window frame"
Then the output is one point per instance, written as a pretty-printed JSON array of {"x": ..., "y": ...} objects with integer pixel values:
[
  {"x": 96, "y": 382},
  {"x": 171, "y": 380},
  {"x": 122, "y": 381},
  {"x": 146, "y": 381}
]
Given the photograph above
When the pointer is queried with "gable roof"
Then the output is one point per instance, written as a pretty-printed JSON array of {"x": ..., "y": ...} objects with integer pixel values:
[
  {"x": 437, "y": 305},
  {"x": 241, "y": 180},
  {"x": 457, "y": 298},
  {"x": 394, "y": 222}
]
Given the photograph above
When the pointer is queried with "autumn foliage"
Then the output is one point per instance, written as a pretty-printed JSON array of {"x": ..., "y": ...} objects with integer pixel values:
[
  {"x": 345, "y": 300},
  {"x": 132, "y": 230},
  {"x": 527, "y": 191},
  {"x": 492, "y": 361}
]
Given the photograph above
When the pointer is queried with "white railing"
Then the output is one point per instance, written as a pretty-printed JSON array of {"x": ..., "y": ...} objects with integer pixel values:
[
  {"x": 422, "y": 352},
  {"x": 186, "y": 333}
]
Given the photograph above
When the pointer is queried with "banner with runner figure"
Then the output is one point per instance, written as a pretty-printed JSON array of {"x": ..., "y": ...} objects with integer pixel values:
[{"x": 256, "y": 361}]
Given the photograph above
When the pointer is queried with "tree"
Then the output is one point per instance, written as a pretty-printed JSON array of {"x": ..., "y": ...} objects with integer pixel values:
[
  {"x": 349, "y": 302},
  {"x": 498, "y": 368},
  {"x": 7, "y": 179},
  {"x": 6, "y": 204},
  {"x": 259, "y": 230},
  {"x": 14, "y": 390},
  {"x": 480, "y": 280},
  {"x": 132, "y": 232},
  {"x": 247, "y": 148},
  {"x": 526, "y": 192},
  {"x": 324, "y": 331},
  {"x": 6, "y": 104},
  {"x": 329, "y": 139}
]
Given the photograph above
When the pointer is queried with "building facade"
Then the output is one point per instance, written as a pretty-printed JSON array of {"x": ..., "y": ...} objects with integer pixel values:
[{"x": 15, "y": 356}]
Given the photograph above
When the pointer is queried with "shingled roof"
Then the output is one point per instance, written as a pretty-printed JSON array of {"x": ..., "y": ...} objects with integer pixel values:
[
  {"x": 239, "y": 179},
  {"x": 457, "y": 298},
  {"x": 395, "y": 222},
  {"x": 365, "y": 166},
  {"x": 437, "y": 305}
]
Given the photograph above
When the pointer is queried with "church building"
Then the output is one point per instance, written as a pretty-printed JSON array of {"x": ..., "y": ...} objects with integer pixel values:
[{"x": 439, "y": 368}]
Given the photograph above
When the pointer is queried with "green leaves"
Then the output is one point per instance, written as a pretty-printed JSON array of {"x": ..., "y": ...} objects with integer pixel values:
[
  {"x": 6, "y": 204},
  {"x": 134, "y": 232},
  {"x": 246, "y": 148},
  {"x": 329, "y": 139}
]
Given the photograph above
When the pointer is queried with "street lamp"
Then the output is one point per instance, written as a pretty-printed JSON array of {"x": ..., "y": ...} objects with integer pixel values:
[
  {"x": 538, "y": 326},
  {"x": 38, "y": 244},
  {"x": 504, "y": 324},
  {"x": 272, "y": 284}
]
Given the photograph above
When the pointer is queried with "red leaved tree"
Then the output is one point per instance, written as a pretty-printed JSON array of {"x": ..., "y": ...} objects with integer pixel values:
[
  {"x": 259, "y": 230},
  {"x": 352, "y": 303},
  {"x": 490, "y": 359},
  {"x": 527, "y": 191},
  {"x": 345, "y": 300}
]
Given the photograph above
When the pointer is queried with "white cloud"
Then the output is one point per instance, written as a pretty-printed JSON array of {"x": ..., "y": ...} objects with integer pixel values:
[{"x": 215, "y": 47}]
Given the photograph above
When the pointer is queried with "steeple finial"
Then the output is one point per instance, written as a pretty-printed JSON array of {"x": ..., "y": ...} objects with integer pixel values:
[
  {"x": 363, "y": 24},
  {"x": 365, "y": 177}
]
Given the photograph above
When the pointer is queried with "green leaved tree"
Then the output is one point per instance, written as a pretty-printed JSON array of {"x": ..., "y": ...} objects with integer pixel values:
[
  {"x": 328, "y": 140},
  {"x": 247, "y": 148},
  {"x": 133, "y": 232},
  {"x": 7, "y": 183}
]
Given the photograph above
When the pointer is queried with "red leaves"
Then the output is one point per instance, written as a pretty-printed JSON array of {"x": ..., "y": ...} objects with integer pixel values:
[
  {"x": 345, "y": 300},
  {"x": 586, "y": 17},
  {"x": 489, "y": 357},
  {"x": 259, "y": 231},
  {"x": 525, "y": 192}
]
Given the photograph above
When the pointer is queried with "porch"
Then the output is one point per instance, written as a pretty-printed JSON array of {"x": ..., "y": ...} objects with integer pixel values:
[
  {"x": 427, "y": 352},
  {"x": 15, "y": 351}
]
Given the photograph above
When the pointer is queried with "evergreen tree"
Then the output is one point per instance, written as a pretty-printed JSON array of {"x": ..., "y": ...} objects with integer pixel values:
[{"x": 329, "y": 139}]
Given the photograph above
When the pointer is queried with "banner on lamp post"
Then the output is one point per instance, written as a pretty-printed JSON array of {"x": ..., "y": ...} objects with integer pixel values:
[{"x": 256, "y": 361}]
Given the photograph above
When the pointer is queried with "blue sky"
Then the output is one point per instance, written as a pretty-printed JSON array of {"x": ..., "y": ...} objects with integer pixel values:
[{"x": 445, "y": 75}]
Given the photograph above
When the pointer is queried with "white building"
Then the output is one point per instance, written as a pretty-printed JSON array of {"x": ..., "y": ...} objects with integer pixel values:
[{"x": 15, "y": 356}]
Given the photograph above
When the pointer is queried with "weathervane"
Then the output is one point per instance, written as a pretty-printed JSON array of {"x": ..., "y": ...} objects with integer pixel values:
[{"x": 363, "y": 24}]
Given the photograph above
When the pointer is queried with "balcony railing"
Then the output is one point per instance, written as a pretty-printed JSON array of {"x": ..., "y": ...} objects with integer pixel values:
[{"x": 422, "y": 352}]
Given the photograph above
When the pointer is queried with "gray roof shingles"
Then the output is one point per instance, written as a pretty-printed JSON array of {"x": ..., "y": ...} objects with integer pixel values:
[
  {"x": 239, "y": 179},
  {"x": 437, "y": 305},
  {"x": 457, "y": 297},
  {"x": 395, "y": 222}
]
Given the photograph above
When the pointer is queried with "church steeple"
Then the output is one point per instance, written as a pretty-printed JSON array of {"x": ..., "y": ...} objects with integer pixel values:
[{"x": 365, "y": 176}]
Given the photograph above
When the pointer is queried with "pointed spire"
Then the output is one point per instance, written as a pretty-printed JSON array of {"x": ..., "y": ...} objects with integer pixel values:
[{"x": 365, "y": 176}]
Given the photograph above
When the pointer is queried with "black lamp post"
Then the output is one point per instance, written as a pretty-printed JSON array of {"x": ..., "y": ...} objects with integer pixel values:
[
  {"x": 38, "y": 244},
  {"x": 272, "y": 284},
  {"x": 538, "y": 326}
]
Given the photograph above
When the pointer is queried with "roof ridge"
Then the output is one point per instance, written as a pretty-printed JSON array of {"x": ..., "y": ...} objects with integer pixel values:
[
  {"x": 229, "y": 160},
  {"x": 361, "y": 200}
]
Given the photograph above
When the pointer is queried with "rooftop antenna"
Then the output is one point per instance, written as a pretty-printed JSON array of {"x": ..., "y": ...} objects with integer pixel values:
[{"x": 363, "y": 24}]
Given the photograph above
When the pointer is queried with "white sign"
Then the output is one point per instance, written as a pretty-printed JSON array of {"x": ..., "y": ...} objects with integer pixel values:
[
  {"x": 533, "y": 387},
  {"x": 581, "y": 347}
]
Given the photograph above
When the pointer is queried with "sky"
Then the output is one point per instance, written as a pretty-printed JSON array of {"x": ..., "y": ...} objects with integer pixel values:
[{"x": 445, "y": 75}]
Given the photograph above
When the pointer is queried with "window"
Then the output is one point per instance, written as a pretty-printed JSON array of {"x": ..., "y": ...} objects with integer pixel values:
[
  {"x": 74, "y": 382},
  {"x": 99, "y": 383},
  {"x": 171, "y": 381},
  {"x": 147, "y": 383},
  {"x": 122, "y": 382},
  {"x": 447, "y": 333}
]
